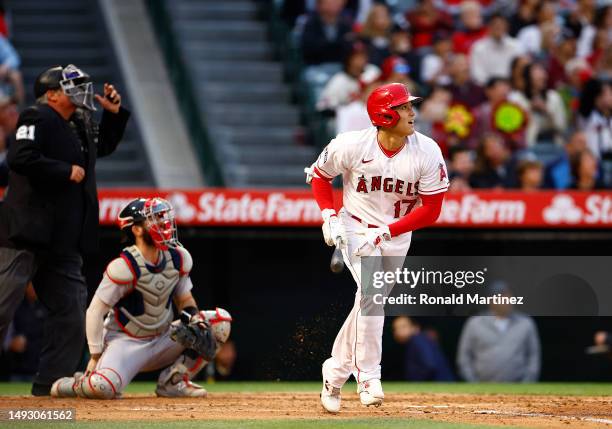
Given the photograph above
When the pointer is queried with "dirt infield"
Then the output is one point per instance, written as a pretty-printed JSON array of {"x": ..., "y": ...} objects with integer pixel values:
[{"x": 540, "y": 411}]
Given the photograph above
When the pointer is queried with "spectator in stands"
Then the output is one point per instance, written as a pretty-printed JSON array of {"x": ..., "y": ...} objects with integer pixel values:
[
  {"x": 533, "y": 37},
  {"x": 493, "y": 164},
  {"x": 472, "y": 30},
  {"x": 424, "y": 21},
  {"x": 603, "y": 338},
  {"x": 492, "y": 55},
  {"x": 8, "y": 122},
  {"x": 585, "y": 172},
  {"x": 530, "y": 173},
  {"x": 436, "y": 65},
  {"x": 462, "y": 88},
  {"x": 596, "y": 116},
  {"x": 563, "y": 52},
  {"x": 4, "y": 169},
  {"x": 578, "y": 72},
  {"x": 325, "y": 37},
  {"x": 524, "y": 16},
  {"x": 581, "y": 17},
  {"x": 376, "y": 33},
  {"x": 9, "y": 71},
  {"x": 354, "y": 116},
  {"x": 401, "y": 46},
  {"x": 345, "y": 86},
  {"x": 395, "y": 69},
  {"x": 517, "y": 72},
  {"x": 432, "y": 115},
  {"x": 497, "y": 92},
  {"x": 291, "y": 10},
  {"x": 500, "y": 345},
  {"x": 603, "y": 67},
  {"x": 25, "y": 337},
  {"x": 547, "y": 118},
  {"x": 3, "y": 26},
  {"x": 558, "y": 173},
  {"x": 460, "y": 168},
  {"x": 602, "y": 24},
  {"x": 423, "y": 357}
]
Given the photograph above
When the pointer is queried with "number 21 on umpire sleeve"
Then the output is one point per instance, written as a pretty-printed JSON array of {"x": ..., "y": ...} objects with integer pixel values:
[
  {"x": 398, "y": 206},
  {"x": 25, "y": 132}
]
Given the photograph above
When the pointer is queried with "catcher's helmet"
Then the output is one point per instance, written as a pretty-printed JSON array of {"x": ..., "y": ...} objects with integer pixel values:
[
  {"x": 382, "y": 101},
  {"x": 132, "y": 213},
  {"x": 156, "y": 215}
]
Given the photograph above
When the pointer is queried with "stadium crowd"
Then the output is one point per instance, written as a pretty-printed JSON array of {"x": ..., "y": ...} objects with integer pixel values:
[
  {"x": 12, "y": 92},
  {"x": 518, "y": 93}
]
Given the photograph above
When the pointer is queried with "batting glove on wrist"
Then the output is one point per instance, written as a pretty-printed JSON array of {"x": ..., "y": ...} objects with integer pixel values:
[
  {"x": 373, "y": 238},
  {"x": 333, "y": 230}
]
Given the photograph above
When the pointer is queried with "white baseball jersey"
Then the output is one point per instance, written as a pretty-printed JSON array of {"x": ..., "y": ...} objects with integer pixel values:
[{"x": 377, "y": 188}]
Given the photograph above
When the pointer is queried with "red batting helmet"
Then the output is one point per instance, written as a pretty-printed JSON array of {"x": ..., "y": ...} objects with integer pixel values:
[{"x": 382, "y": 101}]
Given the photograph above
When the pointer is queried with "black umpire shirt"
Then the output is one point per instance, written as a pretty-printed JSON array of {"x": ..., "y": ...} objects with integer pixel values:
[{"x": 43, "y": 208}]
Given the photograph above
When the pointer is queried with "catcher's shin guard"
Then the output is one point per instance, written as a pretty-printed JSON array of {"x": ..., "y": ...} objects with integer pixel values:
[
  {"x": 174, "y": 381},
  {"x": 66, "y": 387}
]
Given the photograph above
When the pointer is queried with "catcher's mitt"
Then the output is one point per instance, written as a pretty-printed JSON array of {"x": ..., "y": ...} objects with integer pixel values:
[{"x": 195, "y": 335}]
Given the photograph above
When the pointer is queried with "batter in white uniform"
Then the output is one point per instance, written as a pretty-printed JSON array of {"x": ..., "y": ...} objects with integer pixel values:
[
  {"x": 129, "y": 319},
  {"x": 394, "y": 180}
]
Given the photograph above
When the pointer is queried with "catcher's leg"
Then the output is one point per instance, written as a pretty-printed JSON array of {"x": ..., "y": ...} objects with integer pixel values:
[
  {"x": 121, "y": 360},
  {"x": 175, "y": 381}
]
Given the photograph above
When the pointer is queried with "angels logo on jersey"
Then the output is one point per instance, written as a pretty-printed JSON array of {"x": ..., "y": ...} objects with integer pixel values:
[{"x": 442, "y": 172}]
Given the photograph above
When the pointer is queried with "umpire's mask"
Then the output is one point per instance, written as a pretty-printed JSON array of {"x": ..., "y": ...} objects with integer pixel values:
[{"x": 77, "y": 85}]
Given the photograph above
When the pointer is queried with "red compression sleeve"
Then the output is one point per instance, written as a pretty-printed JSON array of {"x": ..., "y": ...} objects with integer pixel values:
[
  {"x": 421, "y": 217},
  {"x": 323, "y": 193}
]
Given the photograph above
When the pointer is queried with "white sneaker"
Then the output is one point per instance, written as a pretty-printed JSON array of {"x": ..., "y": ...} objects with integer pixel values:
[
  {"x": 181, "y": 388},
  {"x": 330, "y": 398},
  {"x": 370, "y": 392}
]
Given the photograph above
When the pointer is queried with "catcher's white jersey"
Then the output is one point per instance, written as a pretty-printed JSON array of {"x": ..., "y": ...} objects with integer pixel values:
[{"x": 379, "y": 189}]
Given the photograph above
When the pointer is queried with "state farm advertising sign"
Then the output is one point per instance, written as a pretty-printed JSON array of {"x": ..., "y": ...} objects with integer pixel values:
[{"x": 483, "y": 209}]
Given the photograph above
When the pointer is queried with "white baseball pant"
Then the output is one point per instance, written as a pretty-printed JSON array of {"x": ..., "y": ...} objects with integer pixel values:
[{"x": 357, "y": 349}]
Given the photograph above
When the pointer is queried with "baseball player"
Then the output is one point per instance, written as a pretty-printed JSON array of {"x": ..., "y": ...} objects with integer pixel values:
[
  {"x": 387, "y": 171},
  {"x": 129, "y": 322}
]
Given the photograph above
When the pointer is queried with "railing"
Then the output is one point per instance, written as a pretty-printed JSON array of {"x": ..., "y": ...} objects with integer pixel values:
[{"x": 185, "y": 91}]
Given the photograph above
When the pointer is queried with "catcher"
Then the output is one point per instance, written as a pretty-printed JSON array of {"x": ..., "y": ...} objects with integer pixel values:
[{"x": 129, "y": 323}]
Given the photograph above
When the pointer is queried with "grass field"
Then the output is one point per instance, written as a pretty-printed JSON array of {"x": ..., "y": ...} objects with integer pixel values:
[{"x": 399, "y": 396}]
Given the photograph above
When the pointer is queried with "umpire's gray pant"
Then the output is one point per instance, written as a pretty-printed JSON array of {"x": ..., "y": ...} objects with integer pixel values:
[{"x": 17, "y": 268}]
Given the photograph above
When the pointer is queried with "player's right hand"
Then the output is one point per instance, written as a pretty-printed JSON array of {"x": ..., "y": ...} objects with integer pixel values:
[
  {"x": 77, "y": 174},
  {"x": 333, "y": 230}
]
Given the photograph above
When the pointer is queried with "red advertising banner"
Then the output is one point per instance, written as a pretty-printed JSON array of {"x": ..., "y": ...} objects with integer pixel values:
[{"x": 483, "y": 209}]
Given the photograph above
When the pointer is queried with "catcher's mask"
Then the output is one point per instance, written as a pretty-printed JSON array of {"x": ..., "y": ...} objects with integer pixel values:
[
  {"x": 160, "y": 223},
  {"x": 77, "y": 85}
]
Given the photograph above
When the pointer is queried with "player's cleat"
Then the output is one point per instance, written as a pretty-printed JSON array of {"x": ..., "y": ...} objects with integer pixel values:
[
  {"x": 179, "y": 386},
  {"x": 330, "y": 398},
  {"x": 370, "y": 392}
]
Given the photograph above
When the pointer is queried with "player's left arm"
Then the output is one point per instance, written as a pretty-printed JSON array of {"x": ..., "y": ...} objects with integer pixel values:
[{"x": 433, "y": 184}]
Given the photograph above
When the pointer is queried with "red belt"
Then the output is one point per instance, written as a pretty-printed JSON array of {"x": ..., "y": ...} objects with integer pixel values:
[{"x": 360, "y": 221}]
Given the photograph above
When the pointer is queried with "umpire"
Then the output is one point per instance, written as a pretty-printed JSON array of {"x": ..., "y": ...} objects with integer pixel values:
[{"x": 49, "y": 217}]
